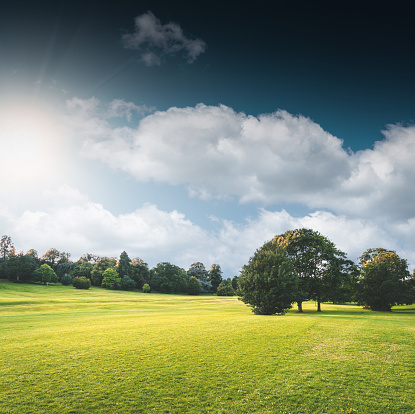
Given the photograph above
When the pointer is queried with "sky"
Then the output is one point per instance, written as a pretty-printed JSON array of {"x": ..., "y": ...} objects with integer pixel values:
[{"x": 186, "y": 132}]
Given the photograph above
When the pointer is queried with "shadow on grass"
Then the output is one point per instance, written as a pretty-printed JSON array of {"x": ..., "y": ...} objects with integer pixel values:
[{"x": 350, "y": 310}]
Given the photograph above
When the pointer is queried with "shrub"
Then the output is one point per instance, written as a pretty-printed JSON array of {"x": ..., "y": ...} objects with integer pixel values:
[
  {"x": 81, "y": 283},
  {"x": 66, "y": 279},
  {"x": 146, "y": 288}
]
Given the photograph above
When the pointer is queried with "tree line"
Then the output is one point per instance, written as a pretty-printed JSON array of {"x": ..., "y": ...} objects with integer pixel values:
[
  {"x": 293, "y": 267},
  {"x": 108, "y": 272},
  {"x": 302, "y": 265}
]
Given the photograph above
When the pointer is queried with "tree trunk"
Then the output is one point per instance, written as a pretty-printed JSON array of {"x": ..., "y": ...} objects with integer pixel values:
[
  {"x": 318, "y": 305},
  {"x": 300, "y": 307}
]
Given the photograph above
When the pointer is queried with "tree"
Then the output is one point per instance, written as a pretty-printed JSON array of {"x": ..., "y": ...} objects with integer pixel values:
[
  {"x": 101, "y": 265},
  {"x": 82, "y": 269},
  {"x": 199, "y": 271},
  {"x": 20, "y": 267},
  {"x": 215, "y": 276},
  {"x": 139, "y": 271},
  {"x": 146, "y": 288},
  {"x": 235, "y": 283},
  {"x": 225, "y": 288},
  {"x": 64, "y": 268},
  {"x": 124, "y": 268},
  {"x": 45, "y": 274},
  {"x": 193, "y": 286},
  {"x": 319, "y": 264},
  {"x": 109, "y": 277},
  {"x": 168, "y": 278},
  {"x": 269, "y": 282},
  {"x": 53, "y": 257},
  {"x": 6, "y": 246},
  {"x": 127, "y": 283},
  {"x": 383, "y": 281}
]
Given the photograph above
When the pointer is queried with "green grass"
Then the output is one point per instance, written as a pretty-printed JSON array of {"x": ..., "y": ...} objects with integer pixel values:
[{"x": 71, "y": 351}]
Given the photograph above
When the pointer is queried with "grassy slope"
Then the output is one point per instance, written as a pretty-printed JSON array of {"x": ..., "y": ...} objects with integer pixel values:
[{"x": 70, "y": 351}]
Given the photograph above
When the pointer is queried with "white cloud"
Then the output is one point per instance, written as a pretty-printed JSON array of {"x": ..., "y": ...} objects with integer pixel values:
[
  {"x": 159, "y": 39},
  {"x": 74, "y": 223},
  {"x": 273, "y": 158}
]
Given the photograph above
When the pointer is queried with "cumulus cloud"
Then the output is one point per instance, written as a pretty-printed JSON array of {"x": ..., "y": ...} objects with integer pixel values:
[
  {"x": 74, "y": 223},
  {"x": 157, "y": 40},
  {"x": 273, "y": 158}
]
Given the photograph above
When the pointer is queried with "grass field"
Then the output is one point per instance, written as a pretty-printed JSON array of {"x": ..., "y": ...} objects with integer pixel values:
[{"x": 65, "y": 350}]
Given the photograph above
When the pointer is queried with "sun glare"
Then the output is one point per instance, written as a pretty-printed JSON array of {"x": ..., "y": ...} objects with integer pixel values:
[{"x": 29, "y": 142}]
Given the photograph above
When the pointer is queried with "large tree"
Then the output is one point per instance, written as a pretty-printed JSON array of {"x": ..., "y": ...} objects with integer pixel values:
[
  {"x": 384, "y": 279},
  {"x": 199, "y": 271},
  {"x": 124, "y": 267},
  {"x": 168, "y": 278},
  {"x": 215, "y": 276},
  {"x": 269, "y": 282},
  {"x": 321, "y": 267},
  {"x": 20, "y": 267},
  {"x": 140, "y": 272},
  {"x": 45, "y": 274}
]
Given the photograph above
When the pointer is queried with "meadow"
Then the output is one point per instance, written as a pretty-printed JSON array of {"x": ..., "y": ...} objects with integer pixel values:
[{"x": 65, "y": 350}]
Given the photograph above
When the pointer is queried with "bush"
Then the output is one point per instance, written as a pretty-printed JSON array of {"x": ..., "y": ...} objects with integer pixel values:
[
  {"x": 81, "y": 283},
  {"x": 146, "y": 288},
  {"x": 225, "y": 288},
  {"x": 66, "y": 280},
  {"x": 127, "y": 283},
  {"x": 193, "y": 286}
]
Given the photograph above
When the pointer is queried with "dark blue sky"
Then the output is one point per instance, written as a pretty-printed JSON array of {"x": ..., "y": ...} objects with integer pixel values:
[{"x": 347, "y": 65}]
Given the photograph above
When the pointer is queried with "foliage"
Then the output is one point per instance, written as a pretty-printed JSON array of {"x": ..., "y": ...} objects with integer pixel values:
[
  {"x": 109, "y": 277},
  {"x": 64, "y": 268},
  {"x": 139, "y": 271},
  {"x": 321, "y": 267},
  {"x": 168, "y": 278},
  {"x": 199, "y": 271},
  {"x": 45, "y": 274},
  {"x": 53, "y": 257},
  {"x": 101, "y": 265},
  {"x": 269, "y": 282},
  {"x": 82, "y": 269},
  {"x": 235, "y": 283},
  {"x": 193, "y": 286},
  {"x": 225, "y": 288},
  {"x": 127, "y": 283},
  {"x": 66, "y": 279},
  {"x": 384, "y": 279},
  {"x": 215, "y": 276},
  {"x": 81, "y": 283},
  {"x": 20, "y": 267},
  {"x": 123, "y": 267},
  {"x": 6, "y": 246},
  {"x": 146, "y": 288}
]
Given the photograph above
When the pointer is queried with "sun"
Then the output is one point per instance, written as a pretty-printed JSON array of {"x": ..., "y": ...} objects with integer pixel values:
[{"x": 29, "y": 142}]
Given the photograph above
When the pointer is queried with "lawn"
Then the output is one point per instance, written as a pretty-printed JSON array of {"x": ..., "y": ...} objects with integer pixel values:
[{"x": 65, "y": 350}]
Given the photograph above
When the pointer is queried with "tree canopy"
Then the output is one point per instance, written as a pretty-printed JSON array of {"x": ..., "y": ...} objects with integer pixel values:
[
  {"x": 269, "y": 282},
  {"x": 321, "y": 267},
  {"x": 384, "y": 280}
]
